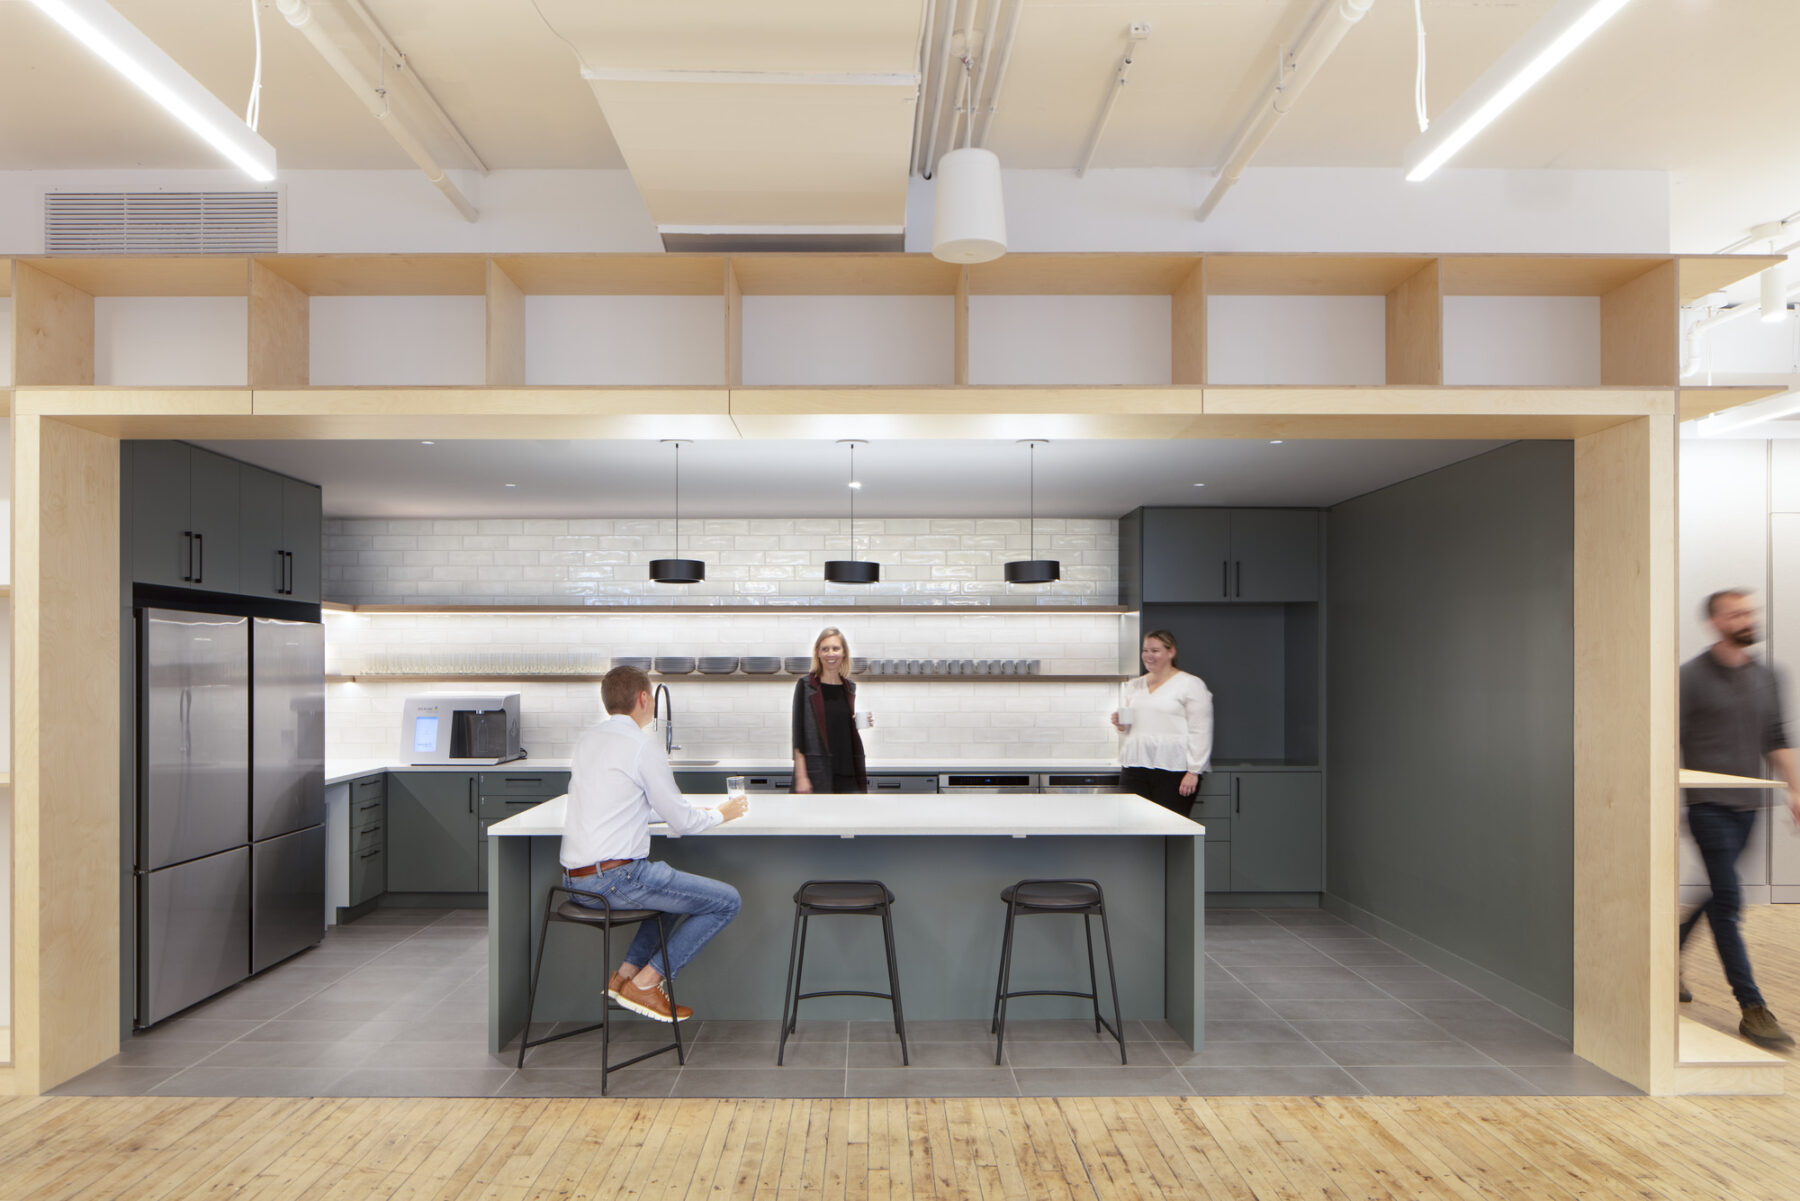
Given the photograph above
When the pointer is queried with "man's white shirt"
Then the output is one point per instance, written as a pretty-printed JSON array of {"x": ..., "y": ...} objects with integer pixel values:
[{"x": 620, "y": 782}]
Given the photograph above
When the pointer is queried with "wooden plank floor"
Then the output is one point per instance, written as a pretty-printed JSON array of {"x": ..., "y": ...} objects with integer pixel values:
[{"x": 1391, "y": 1148}]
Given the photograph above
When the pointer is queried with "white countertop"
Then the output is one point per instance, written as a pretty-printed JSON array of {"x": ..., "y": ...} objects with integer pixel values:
[
  {"x": 774, "y": 814},
  {"x": 339, "y": 770}
]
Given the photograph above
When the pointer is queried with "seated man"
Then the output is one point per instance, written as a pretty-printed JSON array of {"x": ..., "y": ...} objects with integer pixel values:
[{"x": 619, "y": 782}]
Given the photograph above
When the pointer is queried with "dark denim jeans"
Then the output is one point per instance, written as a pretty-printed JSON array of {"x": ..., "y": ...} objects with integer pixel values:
[
  {"x": 1721, "y": 833},
  {"x": 703, "y": 907}
]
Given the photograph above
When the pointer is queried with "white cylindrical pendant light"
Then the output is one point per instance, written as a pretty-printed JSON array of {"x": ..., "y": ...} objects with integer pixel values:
[
  {"x": 969, "y": 222},
  {"x": 1774, "y": 292}
]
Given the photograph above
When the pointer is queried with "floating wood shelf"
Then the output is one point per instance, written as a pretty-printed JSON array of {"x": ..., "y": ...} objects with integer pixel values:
[
  {"x": 720, "y": 610},
  {"x": 736, "y": 677}
]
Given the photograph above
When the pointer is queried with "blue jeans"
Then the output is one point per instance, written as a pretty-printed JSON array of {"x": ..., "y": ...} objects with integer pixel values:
[
  {"x": 1721, "y": 833},
  {"x": 694, "y": 908}
]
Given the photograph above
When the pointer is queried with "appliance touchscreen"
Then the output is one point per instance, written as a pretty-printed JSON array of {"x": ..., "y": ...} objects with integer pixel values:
[{"x": 425, "y": 735}]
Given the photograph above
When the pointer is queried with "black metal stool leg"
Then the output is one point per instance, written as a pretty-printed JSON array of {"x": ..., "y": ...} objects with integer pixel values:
[
  {"x": 606, "y": 1004},
  {"x": 800, "y": 969},
  {"x": 1112, "y": 978},
  {"x": 887, "y": 933},
  {"x": 538, "y": 966},
  {"x": 1000, "y": 976},
  {"x": 789, "y": 991},
  {"x": 662, "y": 934},
  {"x": 1087, "y": 928},
  {"x": 1005, "y": 984}
]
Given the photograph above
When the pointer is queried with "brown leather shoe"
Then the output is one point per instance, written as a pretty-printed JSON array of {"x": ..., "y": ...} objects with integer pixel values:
[
  {"x": 615, "y": 983},
  {"x": 651, "y": 1002},
  {"x": 1761, "y": 1028}
]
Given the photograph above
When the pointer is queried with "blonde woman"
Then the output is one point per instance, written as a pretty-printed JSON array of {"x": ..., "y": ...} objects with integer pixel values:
[
  {"x": 828, "y": 750},
  {"x": 1168, "y": 742}
]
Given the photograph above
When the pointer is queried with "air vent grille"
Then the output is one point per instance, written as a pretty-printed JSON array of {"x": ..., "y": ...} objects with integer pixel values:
[{"x": 127, "y": 223}]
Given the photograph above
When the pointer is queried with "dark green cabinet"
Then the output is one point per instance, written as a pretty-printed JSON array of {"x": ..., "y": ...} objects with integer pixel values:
[
  {"x": 433, "y": 832},
  {"x": 280, "y": 537},
  {"x": 183, "y": 518},
  {"x": 1193, "y": 556},
  {"x": 1277, "y": 832},
  {"x": 368, "y": 839}
]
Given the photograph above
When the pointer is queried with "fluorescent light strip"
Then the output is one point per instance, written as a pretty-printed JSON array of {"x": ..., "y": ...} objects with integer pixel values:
[
  {"x": 100, "y": 28},
  {"x": 1732, "y": 421},
  {"x": 1577, "y": 21}
]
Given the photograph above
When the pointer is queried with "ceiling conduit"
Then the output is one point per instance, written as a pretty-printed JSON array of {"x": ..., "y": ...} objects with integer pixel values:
[
  {"x": 1326, "y": 28},
  {"x": 299, "y": 14}
]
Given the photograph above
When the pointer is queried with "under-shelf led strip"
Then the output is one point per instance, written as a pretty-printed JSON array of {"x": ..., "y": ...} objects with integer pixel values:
[
  {"x": 1534, "y": 56},
  {"x": 100, "y": 28}
]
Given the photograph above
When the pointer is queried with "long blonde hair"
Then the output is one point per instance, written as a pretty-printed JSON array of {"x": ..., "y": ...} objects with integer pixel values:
[{"x": 849, "y": 665}]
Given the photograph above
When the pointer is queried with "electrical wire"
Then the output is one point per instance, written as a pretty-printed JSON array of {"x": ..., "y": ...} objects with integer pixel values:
[
  {"x": 253, "y": 110},
  {"x": 1419, "y": 106},
  {"x": 559, "y": 37}
]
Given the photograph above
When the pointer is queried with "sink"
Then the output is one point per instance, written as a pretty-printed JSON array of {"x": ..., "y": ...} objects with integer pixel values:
[{"x": 692, "y": 762}]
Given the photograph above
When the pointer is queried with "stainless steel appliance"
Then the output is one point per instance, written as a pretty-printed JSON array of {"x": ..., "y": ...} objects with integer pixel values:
[
  {"x": 1071, "y": 782},
  {"x": 474, "y": 728},
  {"x": 230, "y": 857},
  {"x": 769, "y": 783},
  {"x": 903, "y": 784},
  {"x": 995, "y": 782}
]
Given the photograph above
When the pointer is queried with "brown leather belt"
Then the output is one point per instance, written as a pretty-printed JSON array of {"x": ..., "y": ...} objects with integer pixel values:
[{"x": 595, "y": 868}]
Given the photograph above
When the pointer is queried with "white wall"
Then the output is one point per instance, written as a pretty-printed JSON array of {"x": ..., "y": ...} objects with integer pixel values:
[
  {"x": 870, "y": 340},
  {"x": 1522, "y": 340},
  {"x": 624, "y": 340},
  {"x": 1069, "y": 340},
  {"x": 1296, "y": 339},
  {"x": 407, "y": 340},
  {"x": 168, "y": 341}
]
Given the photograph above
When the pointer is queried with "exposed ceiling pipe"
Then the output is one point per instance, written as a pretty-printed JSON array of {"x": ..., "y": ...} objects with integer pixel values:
[
  {"x": 1000, "y": 65},
  {"x": 1326, "y": 28},
  {"x": 967, "y": 59},
  {"x": 928, "y": 163},
  {"x": 394, "y": 52},
  {"x": 1121, "y": 76},
  {"x": 1690, "y": 343},
  {"x": 978, "y": 78},
  {"x": 299, "y": 14},
  {"x": 924, "y": 63}
]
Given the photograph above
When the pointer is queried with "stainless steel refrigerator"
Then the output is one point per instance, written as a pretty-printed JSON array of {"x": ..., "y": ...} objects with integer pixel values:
[{"x": 231, "y": 801}]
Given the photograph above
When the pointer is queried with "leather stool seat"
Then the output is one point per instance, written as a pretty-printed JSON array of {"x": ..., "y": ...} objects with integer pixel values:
[
  {"x": 571, "y": 911},
  {"x": 1052, "y": 894},
  {"x": 843, "y": 894}
]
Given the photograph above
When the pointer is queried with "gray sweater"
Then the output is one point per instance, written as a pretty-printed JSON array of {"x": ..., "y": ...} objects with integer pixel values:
[{"x": 1730, "y": 719}]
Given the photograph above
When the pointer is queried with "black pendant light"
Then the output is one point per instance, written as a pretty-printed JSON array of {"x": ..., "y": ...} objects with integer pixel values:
[
  {"x": 677, "y": 571},
  {"x": 852, "y": 570},
  {"x": 1033, "y": 570}
]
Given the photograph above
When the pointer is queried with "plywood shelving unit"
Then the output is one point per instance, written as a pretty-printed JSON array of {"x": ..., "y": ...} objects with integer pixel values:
[{"x": 66, "y": 545}]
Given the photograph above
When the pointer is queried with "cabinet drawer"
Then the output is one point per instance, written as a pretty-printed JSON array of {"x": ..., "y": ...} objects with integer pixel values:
[
  {"x": 368, "y": 875},
  {"x": 1218, "y": 829},
  {"x": 1208, "y": 807},
  {"x": 498, "y": 808},
  {"x": 374, "y": 838},
  {"x": 367, "y": 812},
  {"x": 1214, "y": 783},
  {"x": 368, "y": 786},
  {"x": 541, "y": 784}
]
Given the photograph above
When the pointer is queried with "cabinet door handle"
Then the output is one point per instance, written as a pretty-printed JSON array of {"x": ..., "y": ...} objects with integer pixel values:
[
  {"x": 1240, "y": 577},
  {"x": 1224, "y": 577},
  {"x": 369, "y": 855},
  {"x": 200, "y": 557},
  {"x": 471, "y": 794},
  {"x": 1237, "y": 794},
  {"x": 287, "y": 561},
  {"x": 187, "y": 573}
]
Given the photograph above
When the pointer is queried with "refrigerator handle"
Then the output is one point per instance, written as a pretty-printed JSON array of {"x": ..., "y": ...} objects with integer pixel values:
[
  {"x": 200, "y": 552},
  {"x": 471, "y": 794},
  {"x": 187, "y": 537},
  {"x": 287, "y": 559},
  {"x": 187, "y": 707}
]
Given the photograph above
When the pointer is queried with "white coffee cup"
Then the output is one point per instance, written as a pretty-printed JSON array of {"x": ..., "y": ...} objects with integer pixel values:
[
  {"x": 864, "y": 719},
  {"x": 1125, "y": 715}
]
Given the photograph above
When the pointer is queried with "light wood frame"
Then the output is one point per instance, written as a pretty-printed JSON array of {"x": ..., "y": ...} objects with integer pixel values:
[{"x": 66, "y": 530}]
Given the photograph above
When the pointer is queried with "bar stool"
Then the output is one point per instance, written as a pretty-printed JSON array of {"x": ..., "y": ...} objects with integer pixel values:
[
  {"x": 820, "y": 898},
  {"x": 604, "y": 918},
  {"x": 1029, "y": 897}
]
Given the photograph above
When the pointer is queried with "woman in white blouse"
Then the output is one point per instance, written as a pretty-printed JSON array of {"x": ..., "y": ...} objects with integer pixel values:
[{"x": 1168, "y": 741}]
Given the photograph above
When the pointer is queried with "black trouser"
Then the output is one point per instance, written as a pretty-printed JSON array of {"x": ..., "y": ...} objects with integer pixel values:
[
  {"x": 845, "y": 784},
  {"x": 1721, "y": 835},
  {"x": 1155, "y": 784}
]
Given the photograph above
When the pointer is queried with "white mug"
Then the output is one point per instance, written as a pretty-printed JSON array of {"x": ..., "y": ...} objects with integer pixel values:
[
  {"x": 1125, "y": 715},
  {"x": 864, "y": 719}
]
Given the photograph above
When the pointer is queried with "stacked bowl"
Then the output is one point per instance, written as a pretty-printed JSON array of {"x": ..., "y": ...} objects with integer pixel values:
[
  {"x": 718, "y": 665},
  {"x": 797, "y": 665},
  {"x": 760, "y": 665},
  {"x": 641, "y": 662},
  {"x": 674, "y": 665}
]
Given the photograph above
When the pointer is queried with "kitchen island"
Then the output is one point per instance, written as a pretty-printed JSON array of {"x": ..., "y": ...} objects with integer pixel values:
[{"x": 946, "y": 858}]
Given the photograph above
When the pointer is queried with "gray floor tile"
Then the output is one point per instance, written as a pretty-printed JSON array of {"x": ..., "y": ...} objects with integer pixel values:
[
  {"x": 114, "y": 1080},
  {"x": 1506, "y": 1029},
  {"x": 1286, "y": 951},
  {"x": 970, "y": 1030},
  {"x": 965, "y": 1056},
  {"x": 415, "y": 917},
  {"x": 1317, "y": 990},
  {"x": 1442, "y": 988},
  {"x": 1272, "y": 1082},
  {"x": 769, "y": 1031},
  {"x": 265, "y": 1004},
  {"x": 162, "y": 1053},
  {"x": 477, "y": 918},
  {"x": 250, "y": 1082},
  {"x": 712, "y": 1055},
  {"x": 1249, "y": 1055},
  {"x": 1416, "y": 1030},
  {"x": 1253, "y": 974},
  {"x": 1544, "y": 1050},
  {"x": 1084, "y": 1054},
  {"x": 472, "y": 1030},
  {"x": 353, "y": 1030},
  {"x": 1063, "y": 1030},
  {"x": 198, "y": 1030},
  {"x": 1577, "y": 1079},
  {"x": 418, "y": 1082},
  {"x": 327, "y": 1009},
  {"x": 1370, "y": 1053},
  {"x": 1235, "y": 917},
  {"x": 1465, "y": 1008},
  {"x": 1223, "y": 988},
  {"x": 435, "y": 1055},
  {"x": 1239, "y": 1009},
  {"x": 1115, "y": 1081},
  {"x": 557, "y": 1082},
  {"x": 583, "y": 1053},
  {"x": 243, "y": 1054},
  {"x": 1159, "y": 1031},
  {"x": 1365, "y": 955},
  {"x": 916, "y": 1081},
  {"x": 1310, "y": 1009},
  {"x": 758, "y": 1082},
  {"x": 1381, "y": 973},
  {"x": 1251, "y": 1032},
  {"x": 1443, "y": 1082}
]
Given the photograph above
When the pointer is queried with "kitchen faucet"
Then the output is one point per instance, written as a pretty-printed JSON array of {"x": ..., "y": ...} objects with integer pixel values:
[{"x": 658, "y": 703}]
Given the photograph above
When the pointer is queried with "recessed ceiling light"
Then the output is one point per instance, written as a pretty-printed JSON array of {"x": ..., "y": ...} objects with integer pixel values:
[
  {"x": 1199, "y": 485},
  {"x": 512, "y": 485},
  {"x": 427, "y": 443},
  {"x": 856, "y": 483},
  {"x": 1276, "y": 441}
]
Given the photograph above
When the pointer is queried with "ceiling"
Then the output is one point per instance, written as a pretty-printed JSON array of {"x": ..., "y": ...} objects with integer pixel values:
[
  {"x": 1669, "y": 85},
  {"x": 962, "y": 478}
]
